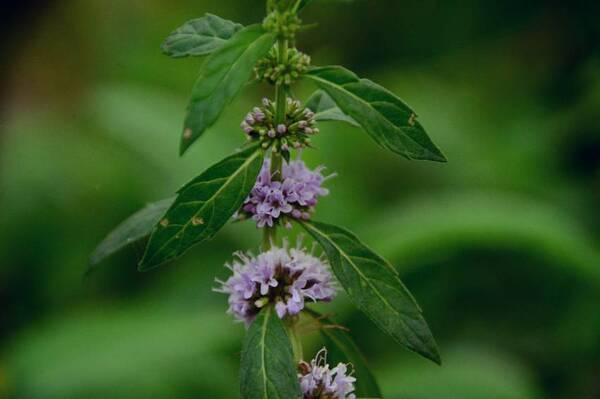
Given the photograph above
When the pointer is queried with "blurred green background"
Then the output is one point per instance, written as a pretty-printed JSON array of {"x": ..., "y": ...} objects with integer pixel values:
[{"x": 500, "y": 245}]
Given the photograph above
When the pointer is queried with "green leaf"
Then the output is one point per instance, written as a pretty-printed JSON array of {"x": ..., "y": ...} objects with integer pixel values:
[
  {"x": 342, "y": 349},
  {"x": 267, "y": 369},
  {"x": 325, "y": 108},
  {"x": 199, "y": 36},
  {"x": 203, "y": 206},
  {"x": 375, "y": 288},
  {"x": 389, "y": 121},
  {"x": 135, "y": 227},
  {"x": 222, "y": 76}
]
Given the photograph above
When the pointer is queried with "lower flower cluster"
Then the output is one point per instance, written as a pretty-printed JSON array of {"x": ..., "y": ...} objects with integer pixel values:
[
  {"x": 319, "y": 381},
  {"x": 294, "y": 195},
  {"x": 285, "y": 277}
]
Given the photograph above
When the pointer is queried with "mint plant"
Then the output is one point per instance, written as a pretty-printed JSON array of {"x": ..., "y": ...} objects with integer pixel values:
[{"x": 268, "y": 183}]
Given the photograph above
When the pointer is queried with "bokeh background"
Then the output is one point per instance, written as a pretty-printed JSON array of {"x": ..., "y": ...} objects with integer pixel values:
[{"x": 500, "y": 245}]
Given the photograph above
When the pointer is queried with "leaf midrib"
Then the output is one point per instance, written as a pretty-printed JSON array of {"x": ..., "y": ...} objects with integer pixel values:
[{"x": 227, "y": 182}]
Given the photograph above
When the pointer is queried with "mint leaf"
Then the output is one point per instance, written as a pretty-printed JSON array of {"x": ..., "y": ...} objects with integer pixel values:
[
  {"x": 389, "y": 121},
  {"x": 222, "y": 76},
  {"x": 199, "y": 36},
  {"x": 342, "y": 349},
  {"x": 134, "y": 228},
  {"x": 375, "y": 288},
  {"x": 268, "y": 370},
  {"x": 203, "y": 206},
  {"x": 325, "y": 108}
]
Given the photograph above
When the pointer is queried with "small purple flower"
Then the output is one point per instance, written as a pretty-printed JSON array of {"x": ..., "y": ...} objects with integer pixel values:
[
  {"x": 285, "y": 277},
  {"x": 317, "y": 380},
  {"x": 258, "y": 114},
  {"x": 246, "y": 127},
  {"x": 295, "y": 196},
  {"x": 309, "y": 114}
]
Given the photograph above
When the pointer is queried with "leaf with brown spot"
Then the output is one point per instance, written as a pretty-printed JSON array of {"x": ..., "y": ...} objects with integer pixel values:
[{"x": 203, "y": 206}]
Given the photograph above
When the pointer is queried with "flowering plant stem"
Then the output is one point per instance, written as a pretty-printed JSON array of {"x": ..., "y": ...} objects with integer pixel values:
[
  {"x": 294, "y": 334},
  {"x": 270, "y": 233},
  {"x": 269, "y": 291}
]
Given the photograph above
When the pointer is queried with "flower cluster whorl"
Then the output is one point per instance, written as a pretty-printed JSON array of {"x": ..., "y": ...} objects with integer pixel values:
[
  {"x": 270, "y": 69},
  {"x": 284, "y": 23},
  {"x": 292, "y": 196},
  {"x": 318, "y": 381},
  {"x": 294, "y": 132},
  {"x": 285, "y": 277}
]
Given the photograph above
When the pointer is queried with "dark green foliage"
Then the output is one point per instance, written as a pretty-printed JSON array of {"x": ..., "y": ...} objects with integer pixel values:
[
  {"x": 325, "y": 109},
  {"x": 375, "y": 288},
  {"x": 200, "y": 36},
  {"x": 267, "y": 369},
  {"x": 203, "y": 206},
  {"x": 134, "y": 228},
  {"x": 222, "y": 76},
  {"x": 383, "y": 115}
]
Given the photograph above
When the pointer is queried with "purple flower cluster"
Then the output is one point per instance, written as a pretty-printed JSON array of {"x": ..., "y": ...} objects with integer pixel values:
[
  {"x": 285, "y": 277},
  {"x": 318, "y": 381},
  {"x": 293, "y": 196}
]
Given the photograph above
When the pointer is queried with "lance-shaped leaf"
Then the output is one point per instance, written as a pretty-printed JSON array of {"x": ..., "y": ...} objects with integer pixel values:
[
  {"x": 375, "y": 288},
  {"x": 325, "y": 108},
  {"x": 203, "y": 206},
  {"x": 199, "y": 36},
  {"x": 342, "y": 349},
  {"x": 383, "y": 115},
  {"x": 134, "y": 228},
  {"x": 267, "y": 369},
  {"x": 222, "y": 76}
]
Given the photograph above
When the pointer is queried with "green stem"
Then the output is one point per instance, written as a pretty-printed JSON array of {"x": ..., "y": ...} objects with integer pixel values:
[
  {"x": 280, "y": 88},
  {"x": 266, "y": 245},
  {"x": 295, "y": 341},
  {"x": 270, "y": 233}
]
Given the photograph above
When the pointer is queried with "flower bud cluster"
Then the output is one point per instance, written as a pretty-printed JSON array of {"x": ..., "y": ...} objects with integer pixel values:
[
  {"x": 271, "y": 70},
  {"x": 318, "y": 380},
  {"x": 299, "y": 123},
  {"x": 284, "y": 23}
]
